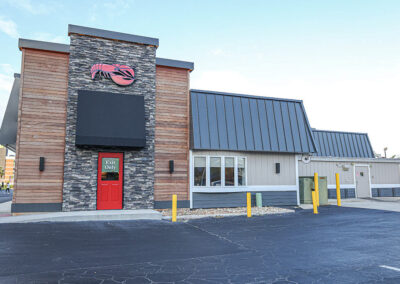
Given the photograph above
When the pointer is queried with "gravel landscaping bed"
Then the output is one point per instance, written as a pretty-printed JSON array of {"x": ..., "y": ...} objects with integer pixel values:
[{"x": 186, "y": 213}]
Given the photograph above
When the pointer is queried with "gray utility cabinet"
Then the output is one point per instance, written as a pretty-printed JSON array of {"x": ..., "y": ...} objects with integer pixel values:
[{"x": 307, "y": 184}]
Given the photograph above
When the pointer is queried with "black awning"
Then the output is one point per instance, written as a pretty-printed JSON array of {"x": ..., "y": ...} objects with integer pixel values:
[
  {"x": 110, "y": 119},
  {"x": 8, "y": 131}
]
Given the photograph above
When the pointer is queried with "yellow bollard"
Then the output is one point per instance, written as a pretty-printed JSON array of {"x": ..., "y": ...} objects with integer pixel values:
[
  {"x": 248, "y": 205},
  {"x": 174, "y": 205},
  {"x": 339, "y": 201},
  {"x": 314, "y": 202},
  {"x": 316, "y": 188}
]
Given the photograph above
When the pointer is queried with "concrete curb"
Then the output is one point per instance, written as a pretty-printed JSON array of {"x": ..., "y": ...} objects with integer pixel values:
[
  {"x": 189, "y": 217},
  {"x": 81, "y": 216}
]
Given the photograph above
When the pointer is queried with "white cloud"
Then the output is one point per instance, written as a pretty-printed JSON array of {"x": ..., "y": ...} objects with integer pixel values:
[
  {"x": 109, "y": 9},
  {"x": 35, "y": 8},
  {"x": 9, "y": 27}
]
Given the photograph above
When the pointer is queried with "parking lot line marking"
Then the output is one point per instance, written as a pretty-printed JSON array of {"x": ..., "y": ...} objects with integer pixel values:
[{"x": 390, "y": 267}]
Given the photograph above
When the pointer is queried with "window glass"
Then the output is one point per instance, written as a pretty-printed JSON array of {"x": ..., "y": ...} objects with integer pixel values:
[
  {"x": 229, "y": 171},
  {"x": 200, "y": 175},
  {"x": 215, "y": 171},
  {"x": 241, "y": 171},
  {"x": 110, "y": 169}
]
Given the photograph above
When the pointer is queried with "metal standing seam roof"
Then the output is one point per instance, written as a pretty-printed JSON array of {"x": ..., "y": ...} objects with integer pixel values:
[
  {"x": 343, "y": 144},
  {"x": 224, "y": 121},
  {"x": 8, "y": 130}
]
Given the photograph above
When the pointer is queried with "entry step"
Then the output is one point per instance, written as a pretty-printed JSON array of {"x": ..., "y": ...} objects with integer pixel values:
[{"x": 80, "y": 216}]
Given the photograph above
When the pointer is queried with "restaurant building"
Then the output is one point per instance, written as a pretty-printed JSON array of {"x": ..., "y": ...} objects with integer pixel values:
[{"x": 102, "y": 123}]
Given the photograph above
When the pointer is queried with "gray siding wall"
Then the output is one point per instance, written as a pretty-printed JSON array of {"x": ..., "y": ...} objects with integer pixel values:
[
  {"x": 385, "y": 173},
  {"x": 328, "y": 169},
  {"x": 381, "y": 173},
  {"x": 238, "y": 199},
  {"x": 261, "y": 167}
]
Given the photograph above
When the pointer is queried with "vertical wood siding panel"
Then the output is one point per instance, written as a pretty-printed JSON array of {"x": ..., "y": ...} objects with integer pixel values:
[
  {"x": 173, "y": 82},
  {"x": 41, "y": 95}
]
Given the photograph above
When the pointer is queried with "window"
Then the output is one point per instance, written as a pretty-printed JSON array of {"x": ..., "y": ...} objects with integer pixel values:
[
  {"x": 110, "y": 169},
  {"x": 200, "y": 175},
  {"x": 230, "y": 171},
  {"x": 219, "y": 171},
  {"x": 215, "y": 171},
  {"x": 241, "y": 171}
]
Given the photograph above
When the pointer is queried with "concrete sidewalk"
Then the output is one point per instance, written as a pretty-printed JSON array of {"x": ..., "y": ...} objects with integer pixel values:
[
  {"x": 5, "y": 209},
  {"x": 79, "y": 216},
  {"x": 378, "y": 203}
]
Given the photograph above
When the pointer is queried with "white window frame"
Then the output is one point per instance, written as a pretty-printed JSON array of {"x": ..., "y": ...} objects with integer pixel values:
[
  {"x": 207, "y": 172},
  {"x": 222, "y": 174},
  {"x": 245, "y": 171},
  {"x": 208, "y": 177}
]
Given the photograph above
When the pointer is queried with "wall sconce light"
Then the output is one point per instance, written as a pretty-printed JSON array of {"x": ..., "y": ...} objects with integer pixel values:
[
  {"x": 278, "y": 168},
  {"x": 171, "y": 166},
  {"x": 41, "y": 164}
]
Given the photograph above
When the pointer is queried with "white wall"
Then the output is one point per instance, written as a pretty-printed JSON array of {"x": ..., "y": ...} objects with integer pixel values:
[
  {"x": 385, "y": 173},
  {"x": 328, "y": 169},
  {"x": 381, "y": 172}
]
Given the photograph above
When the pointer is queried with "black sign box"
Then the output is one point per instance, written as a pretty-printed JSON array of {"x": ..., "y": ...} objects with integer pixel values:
[{"x": 110, "y": 119}]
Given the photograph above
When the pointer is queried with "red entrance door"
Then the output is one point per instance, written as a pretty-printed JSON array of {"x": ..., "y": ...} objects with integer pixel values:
[{"x": 109, "y": 181}]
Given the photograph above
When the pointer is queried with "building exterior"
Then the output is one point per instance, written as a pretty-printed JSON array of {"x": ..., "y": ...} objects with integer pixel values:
[
  {"x": 351, "y": 155},
  {"x": 102, "y": 123},
  {"x": 7, "y": 161},
  {"x": 9, "y": 168}
]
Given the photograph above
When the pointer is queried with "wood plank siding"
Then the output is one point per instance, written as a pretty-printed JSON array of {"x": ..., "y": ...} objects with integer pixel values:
[
  {"x": 172, "y": 133},
  {"x": 41, "y": 127}
]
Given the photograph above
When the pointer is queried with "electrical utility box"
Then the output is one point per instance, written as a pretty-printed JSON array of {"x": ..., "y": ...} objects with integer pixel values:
[{"x": 306, "y": 185}]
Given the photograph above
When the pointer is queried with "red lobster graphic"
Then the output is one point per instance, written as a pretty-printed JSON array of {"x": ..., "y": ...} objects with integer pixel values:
[{"x": 122, "y": 75}]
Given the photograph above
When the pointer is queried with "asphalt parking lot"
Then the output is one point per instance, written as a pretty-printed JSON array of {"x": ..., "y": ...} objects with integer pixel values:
[{"x": 340, "y": 245}]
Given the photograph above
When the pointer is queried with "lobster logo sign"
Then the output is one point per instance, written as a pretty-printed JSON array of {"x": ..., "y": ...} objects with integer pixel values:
[{"x": 122, "y": 75}]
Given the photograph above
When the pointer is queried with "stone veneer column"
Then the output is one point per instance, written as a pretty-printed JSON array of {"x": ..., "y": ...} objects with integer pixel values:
[{"x": 80, "y": 167}]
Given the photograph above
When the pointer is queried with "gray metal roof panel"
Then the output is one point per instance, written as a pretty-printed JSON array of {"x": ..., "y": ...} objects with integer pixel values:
[
  {"x": 8, "y": 130},
  {"x": 64, "y": 48},
  {"x": 175, "y": 63},
  {"x": 343, "y": 144},
  {"x": 43, "y": 45},
  {"x": 233, "y": 122},
  {"x": 74, "y": 29}
]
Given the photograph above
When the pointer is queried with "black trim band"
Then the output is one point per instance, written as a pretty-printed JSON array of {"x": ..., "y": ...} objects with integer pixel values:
[
  {"x": 168, "y": 204},
  {"x": 35, "y": 207}
]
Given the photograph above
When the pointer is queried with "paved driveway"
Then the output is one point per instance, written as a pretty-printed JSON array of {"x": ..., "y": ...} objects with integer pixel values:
[{"x": 340, "y": 245}]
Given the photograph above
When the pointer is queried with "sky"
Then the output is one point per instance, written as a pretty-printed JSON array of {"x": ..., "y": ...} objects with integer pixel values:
[{"x": 342, "y": 58}]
